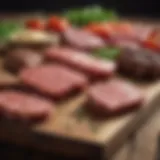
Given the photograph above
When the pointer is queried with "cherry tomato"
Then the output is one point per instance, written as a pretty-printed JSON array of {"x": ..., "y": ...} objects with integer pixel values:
[
  {"x": 35, "y": 24},
  {"x": 111, "y": 29},
  {"x": 100, "y": 29},
  {"x": 153, "y": 40},
  {"x": 57, "y": 24}
]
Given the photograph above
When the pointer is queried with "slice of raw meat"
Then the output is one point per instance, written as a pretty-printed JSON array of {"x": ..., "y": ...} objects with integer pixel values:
[
  {"x": 125, "y": 43},
  {"x": 113, "y": 97},
  {"x": 22, "y": 58},
  {"x": 83, "y": 61},
  {"x": 143, "y": 31},
  {"x": 54, "y": 80},
  {"x": 81, "y": 39},
  {"x": 24, "y": 106}
]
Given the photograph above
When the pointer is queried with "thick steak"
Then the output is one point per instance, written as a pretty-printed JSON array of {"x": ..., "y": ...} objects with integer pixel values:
[
  {"x": 139, "y": 64},
  {"x": 113, "y": 96},
  {"x": 82, "y": 61},
  {"x": 54, "y": 80},
  {"x": 19, "y": 105}
]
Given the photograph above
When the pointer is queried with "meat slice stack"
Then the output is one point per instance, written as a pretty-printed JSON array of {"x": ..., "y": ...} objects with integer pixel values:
[
  {"x": 83, "y": 40},
  {"x": 82, "y": 61},
  {"x": 113, "y": 97},
  {"x": 28, "y": 107},
  {"x": 54, "y": 80}
]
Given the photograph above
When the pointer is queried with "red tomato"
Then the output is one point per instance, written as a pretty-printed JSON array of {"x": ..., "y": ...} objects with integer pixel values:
[
  {"x": 111, "y": 29},
  {"x": 100, "y": 29},
  {"x": 57, "y": 24},
  {"x": 153, "y": 40},
  {"x": 124, "y": 30},
  {"x": 34, "y": 24}
]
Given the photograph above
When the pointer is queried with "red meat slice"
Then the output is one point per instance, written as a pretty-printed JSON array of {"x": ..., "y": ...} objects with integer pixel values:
[
  {"x": 81, "y": 39},
  {"x": 125, "y": 43},
  {"x": 19, "y": 105},
  {"x": 80, "y": 60},
  {"x": 143, "y": 31},
  {"x": 54, "y": 80},
  {"x": 114, "y": 96},
  {"x": 134, "y": 40}
]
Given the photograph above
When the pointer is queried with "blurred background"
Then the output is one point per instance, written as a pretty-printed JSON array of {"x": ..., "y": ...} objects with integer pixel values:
[{"x": 124, "y": 7}]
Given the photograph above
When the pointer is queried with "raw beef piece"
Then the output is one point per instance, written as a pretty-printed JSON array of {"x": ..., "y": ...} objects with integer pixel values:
[
  {"x": 22, "y": 58},
  {"x": 113, "y": 97},
  {"x": 54, "y": 80},
  {"x": 125, "y": 43},
  {"x": 139, "y": 34},
  {"x": 81, "y": 39},
  {"x": 80, "y": 60},
  {"x": 143, "y": 31},
  {"x": 24, "y": 106},
  {"x": 139, "y": 64}
]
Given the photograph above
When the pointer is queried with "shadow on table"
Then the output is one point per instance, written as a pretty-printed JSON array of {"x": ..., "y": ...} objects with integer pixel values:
[{"x": 11, "y": 151}]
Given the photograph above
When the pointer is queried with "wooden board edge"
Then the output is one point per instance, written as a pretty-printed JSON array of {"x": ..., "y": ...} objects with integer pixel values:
[
  {"x": 24, "y": 137},
  {"x": 114, "y": 144}
]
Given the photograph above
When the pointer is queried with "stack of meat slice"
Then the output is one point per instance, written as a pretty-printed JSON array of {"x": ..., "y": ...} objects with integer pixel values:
[
  {"x": 54, "y": 80},
  {"x": 112, "y": 97},
  {"x": 83, "y": 61},
  {"x": 83, "y": 40},
  {"x": 24, "y": 106}
]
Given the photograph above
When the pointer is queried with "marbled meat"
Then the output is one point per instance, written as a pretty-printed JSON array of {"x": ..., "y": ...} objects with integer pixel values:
[
  {"x": 113, "y": 97},
  {"x": 82, "y": 61},
  {"x": 24, "y": 106},
  {"x": 81, "y": 39},
  {"x": 54, "y": 80}
]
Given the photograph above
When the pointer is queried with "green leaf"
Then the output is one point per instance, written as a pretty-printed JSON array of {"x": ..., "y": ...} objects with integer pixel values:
[
  {"x": 107, "y": 53},
  {"x": 84, "y": 16},
  {"x": 7, "y": 28}
]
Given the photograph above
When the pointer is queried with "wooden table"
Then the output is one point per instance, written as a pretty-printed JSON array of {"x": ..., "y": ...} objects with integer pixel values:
[
  {"x": 141, "y": 146},
  {"x": 144, "y": 145}
]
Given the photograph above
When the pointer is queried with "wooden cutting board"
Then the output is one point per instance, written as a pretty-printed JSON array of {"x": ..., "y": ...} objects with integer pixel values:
[{"x": 74, "y": 132}]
